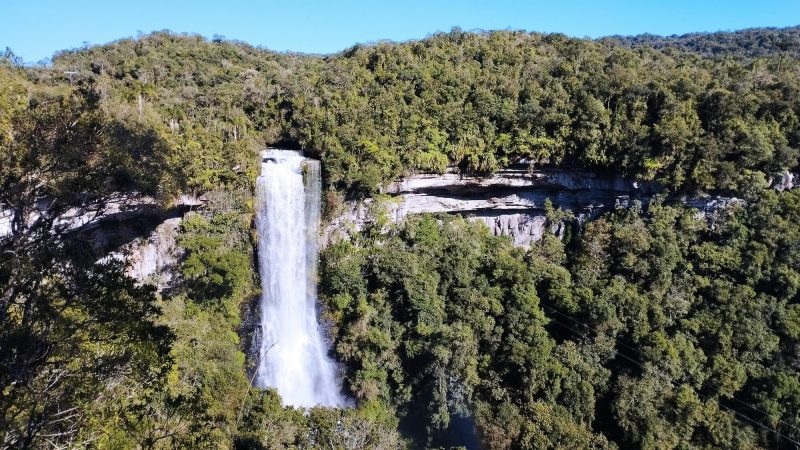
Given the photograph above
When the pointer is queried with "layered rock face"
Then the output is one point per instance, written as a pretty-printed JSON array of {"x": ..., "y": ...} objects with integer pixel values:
[
  {"x": 512, "y": 202},
  {"x": 133, "y": 228},
  {"x": 154, "y": 258},
  {"x": 147, "y": 240}
]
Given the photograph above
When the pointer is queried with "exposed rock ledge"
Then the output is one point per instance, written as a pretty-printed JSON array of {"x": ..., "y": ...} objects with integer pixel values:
[
  {"x": 148, "y": 240},
  {"x": 512, "y": 202},
  {"x": 133, "y": 227}
]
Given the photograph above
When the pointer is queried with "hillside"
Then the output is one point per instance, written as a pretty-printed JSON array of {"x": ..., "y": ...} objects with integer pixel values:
[
  {"x": 476, "y": 101},
  {"x": 638, "y": 324},
  {"x": 751, "y": 43}
]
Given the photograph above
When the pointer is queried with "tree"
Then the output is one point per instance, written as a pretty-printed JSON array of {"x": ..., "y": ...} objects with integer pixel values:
[{"x": 72, "y": 327}]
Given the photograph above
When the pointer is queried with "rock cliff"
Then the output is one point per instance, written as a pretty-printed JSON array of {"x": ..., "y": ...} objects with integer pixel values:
[
  {"x": 130, "y": 227},
  {"x": 512, "y": 202}
]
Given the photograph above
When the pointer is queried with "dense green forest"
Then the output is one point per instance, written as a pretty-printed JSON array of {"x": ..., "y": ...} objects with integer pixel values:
[
  {"x": 756, "y": 42},
  {"x": 476, "y": 101},
  {"x": 650, "y": 330},
  {"x": 647, "y": 328}
]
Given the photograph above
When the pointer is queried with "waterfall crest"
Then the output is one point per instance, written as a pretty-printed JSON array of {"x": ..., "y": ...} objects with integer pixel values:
[{"x": 293, "y": 354}]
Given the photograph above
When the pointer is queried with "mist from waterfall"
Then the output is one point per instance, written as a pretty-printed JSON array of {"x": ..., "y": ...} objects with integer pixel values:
[{"x": 293, "y": 354}]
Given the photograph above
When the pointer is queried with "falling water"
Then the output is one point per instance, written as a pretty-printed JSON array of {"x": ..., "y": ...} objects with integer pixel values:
[{"x": 293, "y": 356}]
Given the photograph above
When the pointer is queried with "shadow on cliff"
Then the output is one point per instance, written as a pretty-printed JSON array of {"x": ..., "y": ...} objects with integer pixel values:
[{"x": 111, "y": 233}]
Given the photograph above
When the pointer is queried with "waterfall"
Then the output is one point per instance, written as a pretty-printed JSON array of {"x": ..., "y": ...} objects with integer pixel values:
[{"x": 293, "y": 354}]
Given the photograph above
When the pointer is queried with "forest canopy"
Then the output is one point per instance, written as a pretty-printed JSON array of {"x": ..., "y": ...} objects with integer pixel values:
[{"x": 656, "y": 109}]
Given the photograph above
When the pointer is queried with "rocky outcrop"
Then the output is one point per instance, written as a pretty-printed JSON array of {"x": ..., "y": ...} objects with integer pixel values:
[
  {"x": 6, "y": 218},
  {"x": 134, "y": 228},
  {"x": 120, "y": 207},
  {"x": 512, "y": 202},
  {"x": 154, "y": 258},
  {"x": 146, "y": 240},
  {"x": 783, "y": 181}
]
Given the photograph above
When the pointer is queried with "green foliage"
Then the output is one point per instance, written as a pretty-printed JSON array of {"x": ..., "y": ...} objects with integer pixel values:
[
  {"x": 744, "y": 44},
  {"x": 650, "y": 331},
  {"x": 648, "y": 328},
  {"x": 690, "y": 118},
  {"x": 205, "y": 389},
  {"x": 438, "y": 319},
  {"x": 73, "y": 328},
  {"x": 268, "y": 425},
  {"x": 67, "y": 341},
  {"x": 217, "y": 264}
]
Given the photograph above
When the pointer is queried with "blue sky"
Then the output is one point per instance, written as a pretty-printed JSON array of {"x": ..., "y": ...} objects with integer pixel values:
[{"x": 35, "y": 29}]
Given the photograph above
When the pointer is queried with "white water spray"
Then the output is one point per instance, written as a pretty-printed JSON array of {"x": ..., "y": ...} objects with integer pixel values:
[{"x": 293, "y": 356}]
